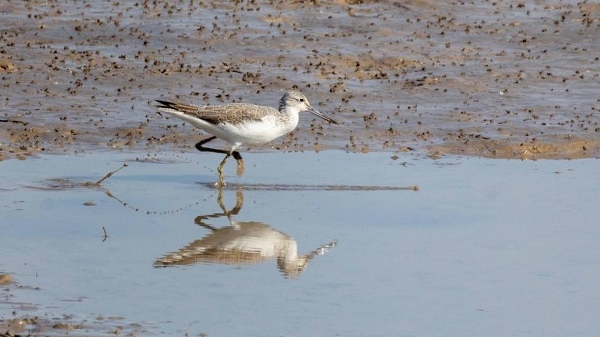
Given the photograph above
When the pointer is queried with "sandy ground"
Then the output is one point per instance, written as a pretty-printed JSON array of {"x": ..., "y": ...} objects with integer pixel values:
[{"x": 499, "y": 79}]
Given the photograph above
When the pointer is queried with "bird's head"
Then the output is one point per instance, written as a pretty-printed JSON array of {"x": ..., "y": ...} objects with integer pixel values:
[{"x": 295, "y": 100}]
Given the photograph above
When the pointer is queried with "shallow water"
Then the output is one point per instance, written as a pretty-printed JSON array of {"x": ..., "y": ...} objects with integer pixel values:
[{"x": 484, "y": 247}]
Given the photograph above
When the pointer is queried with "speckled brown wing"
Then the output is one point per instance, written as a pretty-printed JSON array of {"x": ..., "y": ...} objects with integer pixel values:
[{"x": 215, "y": 114}]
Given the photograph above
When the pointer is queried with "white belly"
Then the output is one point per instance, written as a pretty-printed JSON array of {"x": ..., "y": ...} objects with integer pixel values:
[{"x": 251, "y": 132}]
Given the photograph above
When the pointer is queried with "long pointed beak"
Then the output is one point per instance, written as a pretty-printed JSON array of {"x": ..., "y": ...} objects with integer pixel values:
[{"x": 318, "y": 114}]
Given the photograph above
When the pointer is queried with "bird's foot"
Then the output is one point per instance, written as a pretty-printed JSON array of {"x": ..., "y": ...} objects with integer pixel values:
[
  {"x": 221, "y": 182},
  {"x": 240, "y": 167}
]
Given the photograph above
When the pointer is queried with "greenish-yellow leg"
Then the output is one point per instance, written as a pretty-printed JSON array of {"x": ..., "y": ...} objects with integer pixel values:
[{"x": 220, "y": 170}]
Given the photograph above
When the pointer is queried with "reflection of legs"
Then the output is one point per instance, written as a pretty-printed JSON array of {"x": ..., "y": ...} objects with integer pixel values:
[
  {"x": 238, "y": 205},
  {"x": 235, "y": 154},
  {"x": 239, "y": 201}
]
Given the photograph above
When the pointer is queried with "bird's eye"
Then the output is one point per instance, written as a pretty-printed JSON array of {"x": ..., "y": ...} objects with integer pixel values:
[{"x": 301, "y": 99}]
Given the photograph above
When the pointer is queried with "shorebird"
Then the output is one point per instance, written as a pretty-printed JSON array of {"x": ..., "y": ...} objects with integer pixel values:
[{"x": 241, "y": 123}]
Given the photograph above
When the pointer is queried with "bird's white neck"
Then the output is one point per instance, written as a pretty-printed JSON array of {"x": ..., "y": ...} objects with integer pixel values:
[{"x": 292, "y": 115}]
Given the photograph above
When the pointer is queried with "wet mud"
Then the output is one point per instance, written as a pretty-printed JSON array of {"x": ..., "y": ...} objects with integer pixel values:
[
  {"x": 26, "y": 321},
  {"x": 499, "y": 79},
  {"x": 68, "y": 326}
]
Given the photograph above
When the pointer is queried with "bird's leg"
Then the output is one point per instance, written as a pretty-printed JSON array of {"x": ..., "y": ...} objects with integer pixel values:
[
  {"x": 208, "y": 149},
  {"x": 240, "y": 167},
  {"x": 235, "y": 154},
  {"x": 220, "y": 170},
  {"x": 240, "y": 162}
]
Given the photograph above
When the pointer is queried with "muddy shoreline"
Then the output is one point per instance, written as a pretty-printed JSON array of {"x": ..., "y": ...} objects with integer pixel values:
[{"x": 500, "y": 80}]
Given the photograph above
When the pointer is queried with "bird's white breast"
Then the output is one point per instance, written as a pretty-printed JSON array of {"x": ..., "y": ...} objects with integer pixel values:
[{"x": 256, "y": 132}]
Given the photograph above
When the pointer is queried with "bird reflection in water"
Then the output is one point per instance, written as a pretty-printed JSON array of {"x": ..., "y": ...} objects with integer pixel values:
[{"x": 242, "y": 243}]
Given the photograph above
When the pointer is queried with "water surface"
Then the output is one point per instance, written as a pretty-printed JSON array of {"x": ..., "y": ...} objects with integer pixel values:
[{"x": 484, "y": 247}]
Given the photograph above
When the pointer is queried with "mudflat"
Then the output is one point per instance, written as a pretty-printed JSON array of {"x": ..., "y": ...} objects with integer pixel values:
[{"x": 502, "y": 79}]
